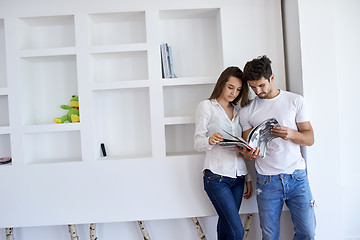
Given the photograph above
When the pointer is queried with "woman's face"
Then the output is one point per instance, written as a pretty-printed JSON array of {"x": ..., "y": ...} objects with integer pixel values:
[{"x": 231, "y": 89}]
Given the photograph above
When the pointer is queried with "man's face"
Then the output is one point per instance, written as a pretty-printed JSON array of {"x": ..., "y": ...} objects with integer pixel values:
[{"x": 262, "y": 87}]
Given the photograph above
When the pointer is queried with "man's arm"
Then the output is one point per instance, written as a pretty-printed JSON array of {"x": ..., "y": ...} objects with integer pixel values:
[{"x": 304, "y": 136}]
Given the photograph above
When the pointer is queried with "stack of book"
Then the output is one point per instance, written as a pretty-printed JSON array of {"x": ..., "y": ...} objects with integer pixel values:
[{"x": 167, "y": 61}]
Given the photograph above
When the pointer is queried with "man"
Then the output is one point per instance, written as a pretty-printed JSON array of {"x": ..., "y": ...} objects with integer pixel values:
[{"x": 281, "y": 174}]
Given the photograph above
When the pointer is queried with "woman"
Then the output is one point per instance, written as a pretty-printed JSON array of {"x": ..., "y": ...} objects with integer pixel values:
[{"x": 225, "y": 172}]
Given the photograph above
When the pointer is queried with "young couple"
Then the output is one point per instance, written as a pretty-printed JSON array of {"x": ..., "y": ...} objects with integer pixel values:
[{"x": 281, "y": 175}]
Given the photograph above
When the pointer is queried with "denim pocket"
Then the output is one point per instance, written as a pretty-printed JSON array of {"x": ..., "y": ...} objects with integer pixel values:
[
  {"x": 262, "y": 180},
  {"x": 299, "y": 174},
  {"x": 210, "y": 177}
]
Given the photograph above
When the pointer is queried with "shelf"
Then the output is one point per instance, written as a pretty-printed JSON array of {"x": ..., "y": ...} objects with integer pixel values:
[
  {"x": 121, "y": 66},
  {"x": 123, "y": 122},
  {"x": 4, "y": 91},
  {"x": 3, "y": 82},
  {"x": 55, "y": 127},
  {"x": 123, "y": 157},
  {"x": 47, "y": 83},
  {"x": 189, "y": 81},
  {"x": 47, "y": 52},
  {"x": 196, "y": 35},
  {"x": 100, "y": 86},
  {"x": 180, "y": 139},
  {"x": 5, "y": 148},
  {"x": 4, "y": 110},
  {"x": 117, "y": 28},
  {"x": 52, "y": 147},
  {"x": 132, "y": 47},
  {"x": 179, "y": 120},
  {"x": 182, "y": 101},
  {"x": 4, "y": 130},
  {"x": 46, "y": 32}
]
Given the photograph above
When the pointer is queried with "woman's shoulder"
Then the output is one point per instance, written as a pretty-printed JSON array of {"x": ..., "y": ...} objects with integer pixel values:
[{"x": 207, "y": 103}]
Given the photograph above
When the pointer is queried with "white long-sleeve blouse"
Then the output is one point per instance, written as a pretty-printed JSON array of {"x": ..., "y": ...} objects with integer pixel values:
[{"x": 211, "y": 117}]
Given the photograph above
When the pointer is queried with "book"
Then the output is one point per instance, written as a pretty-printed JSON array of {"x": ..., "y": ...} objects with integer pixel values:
[
  {"x": 167, "y": 64},
  {"x": 259, "y": 136}
]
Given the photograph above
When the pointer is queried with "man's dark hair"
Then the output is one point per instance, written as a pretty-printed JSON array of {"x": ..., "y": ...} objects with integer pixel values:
[{"x": 257, "y": 68}]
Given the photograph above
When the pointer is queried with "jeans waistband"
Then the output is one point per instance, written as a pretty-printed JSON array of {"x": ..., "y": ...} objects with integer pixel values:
[{"x": 281, "y": 175}]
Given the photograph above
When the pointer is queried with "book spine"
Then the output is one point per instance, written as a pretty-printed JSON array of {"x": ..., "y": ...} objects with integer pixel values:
[{"x": 171, "y": 62}]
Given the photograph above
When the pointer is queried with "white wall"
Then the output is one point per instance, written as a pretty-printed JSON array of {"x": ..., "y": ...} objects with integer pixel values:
[
  {"x": 329, "y": 39},
  {"x": 329, "y": 51},
  {"x": 347, "y": 39}
]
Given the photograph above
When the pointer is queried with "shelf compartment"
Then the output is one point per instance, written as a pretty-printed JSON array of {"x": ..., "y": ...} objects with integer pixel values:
[
  {"x": 4, "y": 110},
  {"x": 3, "y": 81},
  {"x": 5, "y": 147},
  {"x": 52, "y": 147},
  {"x": 182, "y": 101},
  {"x": 122, "y": 123},
  {"x": 120, "y": 66},
  {"x": 196, "y": 35},
  {"x": 47, "y": 83},
  {"x": 180, "y": 139},
  {"x": 117, "y": 28},
  {"x": 46, "y": 32}
]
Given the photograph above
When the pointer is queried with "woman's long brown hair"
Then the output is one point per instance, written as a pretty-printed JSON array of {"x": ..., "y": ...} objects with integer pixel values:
[{"x": 223, "y": 78}]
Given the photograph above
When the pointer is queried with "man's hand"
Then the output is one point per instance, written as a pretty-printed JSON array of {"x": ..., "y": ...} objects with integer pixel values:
[
  {"x": 249, "y": 155},
  {"x": 283, "y": 132},
  {"x": 304, "y": 136}
]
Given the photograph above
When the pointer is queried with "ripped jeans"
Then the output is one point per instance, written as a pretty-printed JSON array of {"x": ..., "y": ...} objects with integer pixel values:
[{"x": 272, "y": 191}]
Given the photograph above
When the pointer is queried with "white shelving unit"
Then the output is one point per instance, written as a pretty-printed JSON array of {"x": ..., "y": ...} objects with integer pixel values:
[{"x": 109, "y": 56}]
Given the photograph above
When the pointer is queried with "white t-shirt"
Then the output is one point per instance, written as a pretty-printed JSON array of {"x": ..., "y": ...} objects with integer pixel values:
[
  {"x": 282, "y": 156},
  {"x": 211, "y": 117}
]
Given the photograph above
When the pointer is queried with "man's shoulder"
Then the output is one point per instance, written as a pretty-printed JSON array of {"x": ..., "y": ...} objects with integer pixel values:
[{"x": 291, "y": 94}]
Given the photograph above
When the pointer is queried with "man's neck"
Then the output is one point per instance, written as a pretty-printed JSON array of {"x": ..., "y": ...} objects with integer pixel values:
[{"x": 274, "y": 93}]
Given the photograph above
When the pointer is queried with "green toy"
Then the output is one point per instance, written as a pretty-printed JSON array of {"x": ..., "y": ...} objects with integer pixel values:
[{"x": 73, "y": 113}]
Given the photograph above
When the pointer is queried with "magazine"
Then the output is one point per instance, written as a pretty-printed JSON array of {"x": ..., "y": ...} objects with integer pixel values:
[{"x": 259, "y": 136}]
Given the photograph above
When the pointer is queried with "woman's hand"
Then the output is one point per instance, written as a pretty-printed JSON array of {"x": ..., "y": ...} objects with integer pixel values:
[
  {"x": 215, "y": 138},
  {"x": 249, "y": 155},
  {"x": 249, "y": 190}
]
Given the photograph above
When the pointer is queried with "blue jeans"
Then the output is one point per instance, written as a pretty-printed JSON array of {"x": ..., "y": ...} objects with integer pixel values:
[
  {"x": 293, "y": 189},
  {"x": 226, "y": 194}
]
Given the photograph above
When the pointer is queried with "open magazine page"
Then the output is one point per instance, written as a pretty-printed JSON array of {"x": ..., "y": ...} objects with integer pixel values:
[
  {"x": 234, "y": 141},
  {"x": 260, "y": 136}
]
